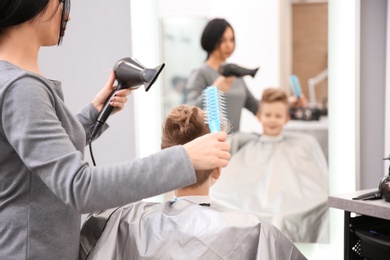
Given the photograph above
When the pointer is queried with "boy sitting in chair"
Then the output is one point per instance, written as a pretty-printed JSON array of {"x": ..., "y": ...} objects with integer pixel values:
[
  {"x": 190, "y": 226},
  {"x": 280, "y": 176}
]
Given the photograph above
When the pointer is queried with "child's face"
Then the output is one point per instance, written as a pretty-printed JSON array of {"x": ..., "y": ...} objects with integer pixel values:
[{"x": 273, "y": 117}]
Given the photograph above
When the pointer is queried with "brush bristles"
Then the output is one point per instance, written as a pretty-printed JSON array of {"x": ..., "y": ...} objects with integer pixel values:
[{"x": 215, "y": 109}]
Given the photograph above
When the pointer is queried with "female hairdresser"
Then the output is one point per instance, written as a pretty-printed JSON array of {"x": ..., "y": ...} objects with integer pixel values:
[
  {"x": 44, "y": 181},
  {"x": 218, "y": 41}
]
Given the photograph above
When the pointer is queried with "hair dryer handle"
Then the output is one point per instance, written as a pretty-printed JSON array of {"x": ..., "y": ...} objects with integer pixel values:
[
  {"x": 104, "y": 114},
  {"x": 107, "y": 108}
]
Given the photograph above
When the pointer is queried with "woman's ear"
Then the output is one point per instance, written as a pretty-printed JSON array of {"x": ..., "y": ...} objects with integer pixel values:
[{"x": 215, "y": 175}]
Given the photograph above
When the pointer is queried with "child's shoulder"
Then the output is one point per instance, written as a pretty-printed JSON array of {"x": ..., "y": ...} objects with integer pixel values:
[
  {"x": 297, "y": 135},
  {"x": 238, "y": 140},
  {"x": 300, "y": 138}
]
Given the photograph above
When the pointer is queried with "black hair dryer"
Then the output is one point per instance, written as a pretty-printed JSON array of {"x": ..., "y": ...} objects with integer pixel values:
[
  {"x": 129, "y": 73},
  {"x": 383, "y": 190},
  {"x": 230, "y": 69},
  {"x": 384, "y": 185}
]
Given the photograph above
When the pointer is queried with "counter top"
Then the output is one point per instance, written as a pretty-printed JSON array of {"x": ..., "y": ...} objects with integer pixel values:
[{"x": 375, "y": 208}]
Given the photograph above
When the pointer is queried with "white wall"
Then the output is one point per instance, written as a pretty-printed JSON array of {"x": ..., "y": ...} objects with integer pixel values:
[
  {"x": 343, "y": 114},
  {"x": 145, "y": 45},
  {"x": 387, "y": 94},
  {"x": 97, "y": 36},
  {"x": 372, "y": 92}
]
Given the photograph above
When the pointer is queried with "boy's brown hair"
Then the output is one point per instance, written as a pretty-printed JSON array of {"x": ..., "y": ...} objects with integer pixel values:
[
  {"x": 182, "y": 125},
  {"x": 271, "y": 95}
]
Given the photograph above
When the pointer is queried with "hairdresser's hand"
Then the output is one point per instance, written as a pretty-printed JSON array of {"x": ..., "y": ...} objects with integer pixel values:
[
  {"x": 118, "y": 101},
  {"x": 297, "y": 102},
  {"x": 209, "y": 151},
  {"x": 224, "y": 83}
]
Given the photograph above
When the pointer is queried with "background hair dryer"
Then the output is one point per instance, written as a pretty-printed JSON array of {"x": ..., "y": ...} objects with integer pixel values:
[
  {"x": 129, "y": 73},
  {"x": 230, "y": 69},
  {"x": 384, "y": 184},
  {"x": 383, "y": 189}
]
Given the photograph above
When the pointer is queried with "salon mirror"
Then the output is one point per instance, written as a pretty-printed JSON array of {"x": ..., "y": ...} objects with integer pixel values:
[{"x": 271, "y": 36}]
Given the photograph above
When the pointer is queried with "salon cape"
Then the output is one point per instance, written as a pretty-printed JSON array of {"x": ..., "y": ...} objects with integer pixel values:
[
  {"x": 282, "y": 179},
  {"x": 181, "y": 230}
]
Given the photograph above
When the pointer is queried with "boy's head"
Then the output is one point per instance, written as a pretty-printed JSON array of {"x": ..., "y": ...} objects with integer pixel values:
[
  {"x": 182, "y": 125},
  {"x": 273, "y": 111}
]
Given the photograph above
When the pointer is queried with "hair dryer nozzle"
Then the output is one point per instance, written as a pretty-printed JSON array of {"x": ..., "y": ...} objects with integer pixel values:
[
  {"x": 130, "y": 74},
  {"x": 230, "y": 69},
  {"x": 152, "y": 74}
]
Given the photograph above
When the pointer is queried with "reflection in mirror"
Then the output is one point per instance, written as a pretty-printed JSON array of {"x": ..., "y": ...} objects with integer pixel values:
[
  {"x": 282, "y": 179},
  {"x": 181, "y": 51},
  {"x": 285, "y": 182}
]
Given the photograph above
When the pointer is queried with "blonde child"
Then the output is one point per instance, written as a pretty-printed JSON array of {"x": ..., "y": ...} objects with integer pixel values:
[{"x": 282, "y": 177}]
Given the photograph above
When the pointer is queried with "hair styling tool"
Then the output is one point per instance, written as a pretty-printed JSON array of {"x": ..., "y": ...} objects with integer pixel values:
[
  {"x": 383, "y": 189},
  {"x": 374, "y": 195},
  {"x": 214, "y": 107},
  {"x": 296, "y": 87},
  {"x": 129, "y": 73},
  {"x": 384, "y": 184},
  {"x": 230, "y": 69}
]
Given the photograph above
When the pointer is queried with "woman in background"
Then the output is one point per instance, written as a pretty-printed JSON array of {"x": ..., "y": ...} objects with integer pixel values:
[{"x": 218, "y": 41}]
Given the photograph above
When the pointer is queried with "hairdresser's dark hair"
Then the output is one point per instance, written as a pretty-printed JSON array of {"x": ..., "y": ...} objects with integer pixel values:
[
  {"x": 64, "y": 18},
  {"x": 15, "y": 12},
  {"x": 182, "y": 125},
  {"x": 212, "y": 34}
]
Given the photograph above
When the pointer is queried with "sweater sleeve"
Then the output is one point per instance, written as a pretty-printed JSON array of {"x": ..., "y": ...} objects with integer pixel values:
[
  {"x": 87, "y": 117},
  {"x": 239, "y": 139},
  {"x": 251, "y": 103},
  {"x": 195, "y": 85},
  {"x": 37, "y": 135}
]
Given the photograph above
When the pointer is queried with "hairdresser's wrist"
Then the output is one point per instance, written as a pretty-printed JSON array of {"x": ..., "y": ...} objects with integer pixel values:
[
  {"x": 98, "y": 105},
  {"x": 224, "y": 83}
]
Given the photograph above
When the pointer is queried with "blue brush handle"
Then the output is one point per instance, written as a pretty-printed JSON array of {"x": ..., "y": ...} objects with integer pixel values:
[
  {"x": 212, "y": 99},
  {"x": 214, "y": 126},
  {"x": 296, "y": 87}
]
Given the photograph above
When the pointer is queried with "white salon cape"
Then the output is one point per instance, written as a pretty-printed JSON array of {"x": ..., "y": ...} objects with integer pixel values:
[
  {"x": 282, "y": 179},
  {"x": 183, "y": 229}
]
